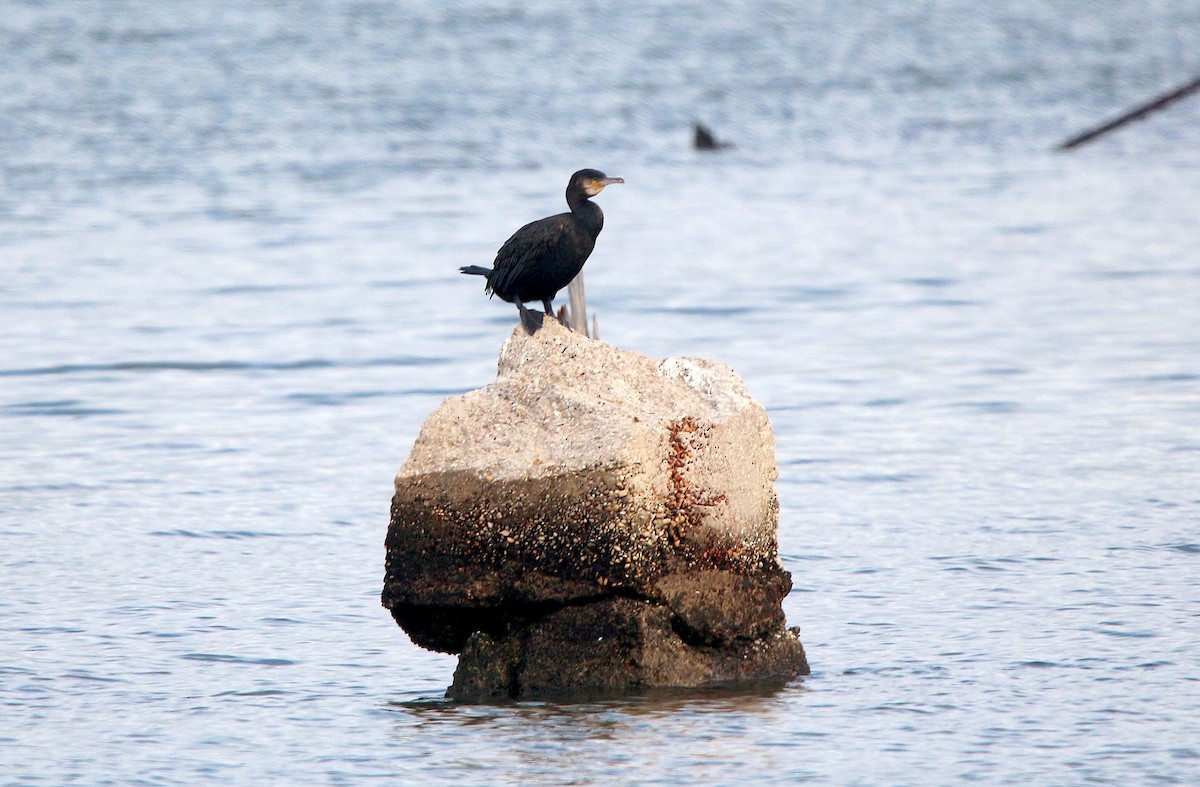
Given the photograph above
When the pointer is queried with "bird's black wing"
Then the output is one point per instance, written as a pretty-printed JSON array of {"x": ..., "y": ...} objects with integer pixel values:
[{"x": 520, "y": 254}]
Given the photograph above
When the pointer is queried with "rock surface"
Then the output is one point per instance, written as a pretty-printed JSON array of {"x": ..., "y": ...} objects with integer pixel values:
[{"x": 592, "y": 520}]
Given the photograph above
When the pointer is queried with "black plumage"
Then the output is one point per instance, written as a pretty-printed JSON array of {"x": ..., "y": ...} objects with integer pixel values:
[{"x": 543, "y": 256}]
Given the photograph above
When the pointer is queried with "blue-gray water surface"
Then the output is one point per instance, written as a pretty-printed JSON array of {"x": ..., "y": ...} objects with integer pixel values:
[{"x": 229, "y": 235}]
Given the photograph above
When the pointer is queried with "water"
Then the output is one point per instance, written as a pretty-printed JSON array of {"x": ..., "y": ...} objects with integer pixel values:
[{"x": 229, "y": 234}]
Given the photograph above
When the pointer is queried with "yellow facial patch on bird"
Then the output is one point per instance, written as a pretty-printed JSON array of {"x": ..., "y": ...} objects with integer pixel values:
[{"x": 593, "y": 186}]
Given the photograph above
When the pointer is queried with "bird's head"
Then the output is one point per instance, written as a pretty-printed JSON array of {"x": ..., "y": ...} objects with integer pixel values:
[{"x": 592, "y": 181}]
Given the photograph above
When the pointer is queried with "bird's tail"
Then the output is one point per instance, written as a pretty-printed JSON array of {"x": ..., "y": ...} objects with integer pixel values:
[{"x": 475, "y": 270}]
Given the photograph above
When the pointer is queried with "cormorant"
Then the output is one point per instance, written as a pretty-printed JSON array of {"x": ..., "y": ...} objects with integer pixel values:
[{"x": 543, "y": 256}]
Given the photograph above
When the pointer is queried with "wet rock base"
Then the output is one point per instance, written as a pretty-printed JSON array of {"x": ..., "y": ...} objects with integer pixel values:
[{"x": 614, "y": 646}]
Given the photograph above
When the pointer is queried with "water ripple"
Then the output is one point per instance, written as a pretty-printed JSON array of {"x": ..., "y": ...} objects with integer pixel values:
[
  {"x": 233, "y": 534},
  {"x": 60, "y": 407},
  {"x": 222, "y": 366},
  {"x": 225, "y": 658}
]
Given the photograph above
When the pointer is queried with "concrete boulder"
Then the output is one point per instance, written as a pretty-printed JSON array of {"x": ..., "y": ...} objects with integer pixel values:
[{"x": 592, "y": 520}]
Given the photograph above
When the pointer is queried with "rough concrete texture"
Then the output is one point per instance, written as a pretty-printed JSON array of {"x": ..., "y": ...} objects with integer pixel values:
[{"x": 594, "y": 520}]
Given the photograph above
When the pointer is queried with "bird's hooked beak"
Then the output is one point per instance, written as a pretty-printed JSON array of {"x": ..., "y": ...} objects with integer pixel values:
[{"x": 596, "y": 185}]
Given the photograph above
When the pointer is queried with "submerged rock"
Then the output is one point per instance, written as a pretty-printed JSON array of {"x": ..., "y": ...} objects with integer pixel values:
[{"x": 592, "y": 520}]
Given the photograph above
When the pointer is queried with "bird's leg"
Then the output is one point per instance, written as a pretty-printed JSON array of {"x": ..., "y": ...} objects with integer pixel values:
[
  {"x": 548, "y": 305},
  {"x": 530, "y": 320}
]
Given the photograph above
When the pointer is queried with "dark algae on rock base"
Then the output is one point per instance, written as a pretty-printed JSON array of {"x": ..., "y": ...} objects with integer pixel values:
[{"x": 593, "y": 521}]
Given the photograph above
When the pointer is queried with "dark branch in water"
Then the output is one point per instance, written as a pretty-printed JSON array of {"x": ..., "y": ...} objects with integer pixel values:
[{"x": 1134, "y": 114}]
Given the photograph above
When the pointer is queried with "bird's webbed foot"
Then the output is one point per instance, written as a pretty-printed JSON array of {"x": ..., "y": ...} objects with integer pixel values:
[
  {"x": 548, "y": 305},
  {"x": 531, "y": 320}
]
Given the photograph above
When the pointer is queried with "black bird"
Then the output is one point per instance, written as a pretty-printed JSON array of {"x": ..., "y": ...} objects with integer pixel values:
[{"x": 543, "y": 256}]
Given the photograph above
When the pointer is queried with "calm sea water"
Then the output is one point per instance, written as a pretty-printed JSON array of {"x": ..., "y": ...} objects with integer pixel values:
[{"x": 229, "y": 235}]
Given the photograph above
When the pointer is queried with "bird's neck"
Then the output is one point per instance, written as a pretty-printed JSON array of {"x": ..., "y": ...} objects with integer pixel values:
[{"x": 587, "y": 213}]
